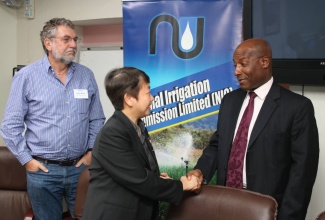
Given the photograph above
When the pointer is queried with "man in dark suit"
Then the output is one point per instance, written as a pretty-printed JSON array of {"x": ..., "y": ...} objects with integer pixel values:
[
  {"x": 282, "y": 149},
  {"x": 125, "y": 181}
]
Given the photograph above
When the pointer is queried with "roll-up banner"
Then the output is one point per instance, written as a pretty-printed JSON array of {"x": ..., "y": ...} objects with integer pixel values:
[{"x": 186, "y": 48}]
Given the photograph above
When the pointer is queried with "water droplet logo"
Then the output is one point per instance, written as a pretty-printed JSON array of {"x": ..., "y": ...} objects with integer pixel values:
[
  {"x": 182, "y": 48},
  {"x": 187, "y": 40}
]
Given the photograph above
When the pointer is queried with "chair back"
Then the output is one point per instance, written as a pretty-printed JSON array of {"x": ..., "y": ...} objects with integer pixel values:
[
  {"x": 14, "y": 200},
  {"x": 219, "y": 203}
]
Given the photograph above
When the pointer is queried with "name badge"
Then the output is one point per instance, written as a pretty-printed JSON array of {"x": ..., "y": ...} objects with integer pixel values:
[{"x": 80, "y": 93}]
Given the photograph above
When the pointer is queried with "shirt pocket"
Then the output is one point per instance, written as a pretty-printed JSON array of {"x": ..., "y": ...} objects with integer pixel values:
[{"x": 83, "y": 106}]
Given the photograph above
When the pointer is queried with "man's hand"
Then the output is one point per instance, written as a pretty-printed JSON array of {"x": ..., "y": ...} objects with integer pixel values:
[
  {"x": 86, "y": 159},
  {"x": 191, "y": 184},
  {"x": 165, "y": 176},
  {"x": 198, "y": 174},
  {"x": 34, "y": 165}
]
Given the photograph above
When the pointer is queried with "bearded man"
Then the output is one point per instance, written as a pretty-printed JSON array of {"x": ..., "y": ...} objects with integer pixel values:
[{"x": 52, "y": 117}]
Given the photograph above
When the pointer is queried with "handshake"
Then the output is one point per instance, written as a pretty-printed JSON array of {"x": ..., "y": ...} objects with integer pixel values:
[{"x": 191, "y": 182}]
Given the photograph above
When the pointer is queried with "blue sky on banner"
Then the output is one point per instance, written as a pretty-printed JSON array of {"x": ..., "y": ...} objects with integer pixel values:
[{"x": 186, "y": 48}]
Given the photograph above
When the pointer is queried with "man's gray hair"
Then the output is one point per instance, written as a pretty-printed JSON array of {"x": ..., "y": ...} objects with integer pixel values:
[{"x": 50, "y": 27}]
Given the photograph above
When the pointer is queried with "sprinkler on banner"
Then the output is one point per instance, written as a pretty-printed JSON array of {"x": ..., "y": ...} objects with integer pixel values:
[{"x": 186, "y": 164}]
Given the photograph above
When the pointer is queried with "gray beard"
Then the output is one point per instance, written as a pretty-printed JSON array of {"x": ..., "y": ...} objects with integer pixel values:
[{"x": 63, "y": 59}]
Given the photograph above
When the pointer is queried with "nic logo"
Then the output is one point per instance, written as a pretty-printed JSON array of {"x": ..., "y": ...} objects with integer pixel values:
[{"x": 182, "y": 46}]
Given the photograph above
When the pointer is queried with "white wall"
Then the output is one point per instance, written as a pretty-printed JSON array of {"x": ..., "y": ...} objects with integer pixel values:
[
  {"x": 20, "y": 44},
  {"x": 8, "y": 55}
]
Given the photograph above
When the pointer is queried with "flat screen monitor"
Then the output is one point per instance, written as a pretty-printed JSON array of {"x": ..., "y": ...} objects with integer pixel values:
[{"x": 295, "y": 30}]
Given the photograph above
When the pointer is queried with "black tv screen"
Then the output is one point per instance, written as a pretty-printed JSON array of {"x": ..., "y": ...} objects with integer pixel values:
[{"x": 295, "y": 30}]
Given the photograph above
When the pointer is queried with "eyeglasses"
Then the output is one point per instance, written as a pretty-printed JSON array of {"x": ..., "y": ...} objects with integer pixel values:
[{"x": 68, "y": 39}]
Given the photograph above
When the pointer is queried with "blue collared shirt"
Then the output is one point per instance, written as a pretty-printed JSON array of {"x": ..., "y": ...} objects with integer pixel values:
[{"x": 62, "y": 120}]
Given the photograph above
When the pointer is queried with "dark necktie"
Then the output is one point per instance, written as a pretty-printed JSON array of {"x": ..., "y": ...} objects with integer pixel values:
[
  {"x": 141, "y": 133},
  {"x": 238, "y": 149}
]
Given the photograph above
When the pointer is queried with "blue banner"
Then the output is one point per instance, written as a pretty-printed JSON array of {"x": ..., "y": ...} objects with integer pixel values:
[{"x": 186, "y": 48}]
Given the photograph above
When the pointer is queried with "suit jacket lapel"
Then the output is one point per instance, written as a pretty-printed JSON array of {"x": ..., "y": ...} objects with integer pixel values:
[
  {"x": 265, "y": 113},
  {"x": 135, "y": 138}
]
